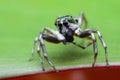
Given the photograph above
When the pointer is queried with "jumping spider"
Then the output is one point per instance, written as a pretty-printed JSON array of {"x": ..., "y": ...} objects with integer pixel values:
[{"x": 68, "y": 27}]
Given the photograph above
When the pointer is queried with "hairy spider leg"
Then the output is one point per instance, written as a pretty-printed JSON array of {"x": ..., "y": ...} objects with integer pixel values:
[
  {"x": 86, "y": 34},
  {"x": 33, "y": 48},
  {"x": 104, "y": 45},
  {"x": 53, "y": 37},
  {"x": 94, "y": 48},
  {"x": 84, "y": 46},
  {"x": 81, "y": 19},
  {"x": 83, "y": 34},
  {"x": 45, "y": 52},
  {"x": 38, "y": 51}
]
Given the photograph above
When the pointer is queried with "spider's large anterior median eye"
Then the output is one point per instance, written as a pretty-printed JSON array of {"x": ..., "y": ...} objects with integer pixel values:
[{"x": 65, "y": 23}]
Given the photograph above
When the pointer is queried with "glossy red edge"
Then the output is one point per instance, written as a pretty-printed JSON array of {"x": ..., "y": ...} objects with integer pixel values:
[{"x": 85, "y": 73}]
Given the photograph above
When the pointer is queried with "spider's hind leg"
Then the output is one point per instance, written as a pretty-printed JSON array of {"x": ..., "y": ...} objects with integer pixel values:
[
  {"x": 38, "y": 51},
  {"x": 33, "y": 48},
  {"x": 41, "y": 61}
]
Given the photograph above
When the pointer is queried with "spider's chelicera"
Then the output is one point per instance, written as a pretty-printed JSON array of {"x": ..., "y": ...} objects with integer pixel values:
[{"x": 68, "y": 27}]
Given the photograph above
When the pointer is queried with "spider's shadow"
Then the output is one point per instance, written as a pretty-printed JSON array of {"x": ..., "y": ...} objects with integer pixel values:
[{"x": 71, "y": 54}]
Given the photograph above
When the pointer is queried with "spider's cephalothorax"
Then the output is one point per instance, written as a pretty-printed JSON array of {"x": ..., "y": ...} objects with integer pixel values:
[
  {"x": 68, "y": 27},
  {"x": 64, "y": 27}
]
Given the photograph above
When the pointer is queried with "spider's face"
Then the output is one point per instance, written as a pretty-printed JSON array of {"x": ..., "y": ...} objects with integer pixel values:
[{"x": 63, "y": 23}]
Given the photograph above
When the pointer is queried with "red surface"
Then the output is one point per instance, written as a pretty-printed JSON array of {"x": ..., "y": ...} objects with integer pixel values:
[{"x": 99, "y": 73}]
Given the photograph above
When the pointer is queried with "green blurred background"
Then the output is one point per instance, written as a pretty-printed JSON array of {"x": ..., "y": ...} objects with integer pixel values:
[{"x": 22, "y": 20}]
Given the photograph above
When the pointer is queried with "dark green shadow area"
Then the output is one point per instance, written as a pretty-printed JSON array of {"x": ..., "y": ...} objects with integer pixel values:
[{"x": 72, "y": 55}]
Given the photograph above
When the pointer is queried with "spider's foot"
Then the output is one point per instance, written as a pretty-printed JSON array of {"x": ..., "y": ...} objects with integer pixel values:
[
  {"x": 93, "y": 65},
  {"x": 43, "y": 69},
  {"x": 107, "y": 65},
  {"x": 56, "y": 70},
  {"x": 92, "y": 69}
]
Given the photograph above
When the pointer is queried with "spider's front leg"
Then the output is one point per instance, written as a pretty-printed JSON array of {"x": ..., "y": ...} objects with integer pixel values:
[
  {"x": 81, "y": 19},
  {"x": 50, "y": 36},
  {"x": 53, "y": 37}
]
